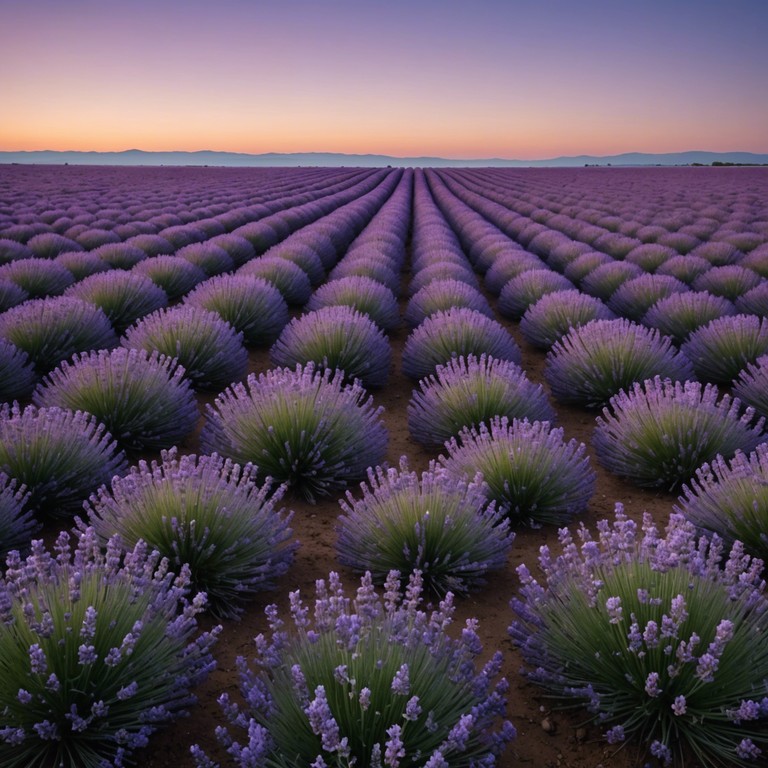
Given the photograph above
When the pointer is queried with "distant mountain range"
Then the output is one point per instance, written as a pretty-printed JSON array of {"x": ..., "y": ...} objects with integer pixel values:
[{"x": 230, "y": 159}]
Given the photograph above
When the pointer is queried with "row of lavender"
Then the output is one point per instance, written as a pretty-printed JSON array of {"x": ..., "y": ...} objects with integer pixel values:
[{"x": 452, "y": 320}]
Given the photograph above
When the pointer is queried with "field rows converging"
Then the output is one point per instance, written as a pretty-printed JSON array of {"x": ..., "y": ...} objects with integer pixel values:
[{"x": 383, "y": 467}]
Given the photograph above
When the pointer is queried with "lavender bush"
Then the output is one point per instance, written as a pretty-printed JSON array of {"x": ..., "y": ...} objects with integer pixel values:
[
  {"x": 751, "y": 387},
  {"x": 212, "y": 259},
  {"x": 527, "y": 288},
  {"x": 336, "y": 337},
  {"x": 593, "y": 362},
  {"x": 209, "y": 348},
  {"x": 207, "y": 513},
  {"x": 17, "y": 375},
  {"x": 439, "y": 525},
  {"x": 290, "y": 279},
  {"x": 680, "y": 314},
  {"x": 17, "y": 522},
  {"x": 754, "y": 301},
  {"x": 454, "y": 333},
  {"x": 530, "y": 472},
  {"x": 174, "y": 274},
  {"x": 655, "y": 633},
  {"x": 53, "y": 329},
  {"x": 82, "y": 264},
  {"x": 303, "y": 427},
  {"x": 730, "y": 281},
  {"x": 48, "y": 245},
  {"x": 442, "y": 295},
  {"x": 251, "y": 305},
  {"x": 143, "y": 398},
  {"x": 369, "y": 683},
  {"x": 507, "y": 267},
  {"x": 722, "y": 348},
  {"x": 98, "y": 651},
  {"x": 635, "y": 297},
  {"x": 603, "y": 281},
  {"x": 124, "y": 255},
  {"x": 658, "y": 433},
  {"x": 362, "y": 293},
  {"x": 11, "y": 295},
  {"x": 684, "y": 268},
  {"x": 38, "y": 277},
  {"x": 381, "y": 270},
  {"x": 468, "y": 391}
]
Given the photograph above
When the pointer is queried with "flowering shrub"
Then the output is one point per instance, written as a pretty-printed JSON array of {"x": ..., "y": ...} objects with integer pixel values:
[
  {"x": 680, "y": 314},
  {"x": 722, "y": 348},
  {"x": 655, "y": 634},
  {"x": 556, "y": 313},
  {"x": 207, "y": 513},
  {"x": 440, "y": 295},
  {"x": 381, "y": 270},
  {"x": 123, "y": 255},
  {"x": 238, "y": 248},
  {"x": 635, "y": 297},
  {"x": 658, "y": 433},
  {"x": 754, "y": 301},
  {"x": 124, "y": 297},
  {"x": 603, "y": 281},
  {"x": 527, "y": 288},
  {"x": 508, "y": 266},
  {"x": 95, "y": 654},
  {"x": 439, "y": 525},
  {"x": 17, "y": 375},
  {"x": 212, "y": 259},
  {"x": 530, "y": 472},
  {"x": 751, "y": 387},
  {"x": 17, "y": 523},
  {"x": 730, "y": 498},
  {"x": 362, "y": 293},
  {"x": 730, "y": 281},
  {"x": 53, "y": 329},
  {"x": 717, "y": 252},
  {"x": 583, "y": 264},
  {"x": 453, "y": 333},
  {"x": 593, "y": 362},
  {"x": 650, "y": 256},
  {"x": 684, "y": 268},
  {"x": 38, "y": 277},
  {"x": 11, "y": 295},
  {"x": 82, "y": 263},
  {"x": 60, "y": 456},
  {"x": 289, "y": 278},
  {"x": 468, "y": 391},
  {"x": 368, "y": 683},
  {"x": 48, "y": 245},
  {"x": 143, "y": 398},
  {"x": 303, "y": 256},
  {"x": 209, "y": 348},
  {"x": 303, "y": 427},
  {"x": 336, "y": 337},
  {"x": 174, "y": 274},
  {"x": 251, "y": 305}
]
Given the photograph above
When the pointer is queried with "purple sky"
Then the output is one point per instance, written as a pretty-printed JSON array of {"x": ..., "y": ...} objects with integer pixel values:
[{"x": 508, "y": 79}]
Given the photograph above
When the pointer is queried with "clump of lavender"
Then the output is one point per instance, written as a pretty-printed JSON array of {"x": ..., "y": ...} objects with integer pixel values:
[
  {"x": 99, "y": 650},
  {"x": 38, "y": 277},
  {"x": 530, "y": 472},
  {"x": 469, "y": 391},
  {"x": 650, "y": 256},
  {"x": 507, "y": 266},
  {"x": 754, "y": 301},
  {"x": 12, "y": 250},
  {"x": 53, "y": 329},
  {"x": 123, "y": 255},
  {"x": 730, "y": 498},
  {"x": 362, "y": 293},
  {"x": 367, "y": 683},
  {"x": 654, "y": 633},
  {"x": 205, "y": 512},
  {"x": 17, "y": 522},
  {"x": 82, "y": 264},
  {"x": 209, "y": 348},
  {"x": 454, "y": 333},
  {"x": 61, "y": 456},
  {"x": 751, "y": 387},
  {"x": 17, "y": 375},
  {"x": 556, "y": 313},
  {"x": 289, "y": 278},
  {"x": 527, "y": 288},
  {"x": 303, "y": 427},
  {"x": 336, "y": 337},
  {"x": 658, "y": 433},
  {"x": 635, "y": 297},
  {"x": 124, "y": 297},
  {"x": 730, "y": 281},
  {"x": 212, "y": 259},
  {"x": 251, "y": 305},
  {"x": 437, "y": 524},
  {"x": 722, "y": 348},
  {"x": 593, "y": 362},
  {"x": 238, "y": 248},
  {"x": 603, "y": 281},
  {"x": 11, "y": 295},
  {"x": 441, "y": 295},
  {"x": 380, "y": 269},
  {"x": 684, "y": 268},
  {"x": 48, "y": 245},
  {"x": 143, "y": 398},
  {"x": 583, "y": 264},
  {"x": 174, "y": 274},
  {"x": 680, "y": 314},
  {"x": 718, "y": 253}
]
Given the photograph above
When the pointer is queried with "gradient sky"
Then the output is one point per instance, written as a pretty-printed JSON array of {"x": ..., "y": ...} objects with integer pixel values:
[{"x": 503, "y": 78}]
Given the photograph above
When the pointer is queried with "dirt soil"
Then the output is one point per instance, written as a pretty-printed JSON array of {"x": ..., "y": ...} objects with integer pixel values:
[{"x": 545, "y": 738}]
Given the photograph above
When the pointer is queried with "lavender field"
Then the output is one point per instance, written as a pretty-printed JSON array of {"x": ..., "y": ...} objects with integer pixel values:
[{"x": 543, "y": 391}]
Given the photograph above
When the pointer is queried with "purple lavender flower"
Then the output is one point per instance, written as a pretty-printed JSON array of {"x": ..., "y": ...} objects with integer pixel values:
[
  {"x": 38, "y": 277},
  {"x": 17, "y": 523},
  {"x": 583, "y": 264},
  {"x": 17, "y": 375},
  {"x": 82, "y": 264},
  {"x": 174, "y": 274},
  {"x": 730, "y": 281},
  {"x": 633, "y": 298},
  {"x": 680, "y": 314},
  {"x": 401, "y": 664},
  {"x": 722, "y": 348},
  {"x": 125, "y": 255},
  {"x": 336, "y": 337},
  {"x": 74, "y": 627},
  {"x": 527, "y": 288},
  {"x": 12, "y": 250},
  {"x": 143, "y": 398},
  {"x": 151, "y": 244},
  {"x": 454, "y": 333},
  {"x": 650, "y": 256},
  {"x": 468, "y": 391},
  {"x": 290, "y": 279},
  {"x": 436, "y": 524},
  {"x": 531, "y": 473},
  {"x": 53, "y": 329},
  {"x": 595, "y": 361},
  {"x": 11, "y": 295},
  {"x": 754, "y": 301},
  {"x": 48, "y": 245},
  {"x": 658, "y": 433},
  {"x": 508, "y": 266},
  {"x": 209, "y": 348},
  {"x": 302, "y": 426},
  {"x": 362, "y": 264},
  {"x": 603, "y": 281},
  {"x": 684, "y": 268},
  {"x": 238, "y": 248},
  {"x": 212, "y": 259}
]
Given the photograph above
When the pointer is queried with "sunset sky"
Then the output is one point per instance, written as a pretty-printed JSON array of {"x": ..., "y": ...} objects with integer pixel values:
[{"x": 524, "y": 79}]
